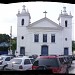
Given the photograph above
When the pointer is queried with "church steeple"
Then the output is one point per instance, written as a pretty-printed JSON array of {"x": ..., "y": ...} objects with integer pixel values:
[
  {"x": 23, "y": 17},
  {"x": 64, "y": 10},
  {"x": 24, "y": 7},
  {"x": 65, "y": 19},
  {"x": 64, "y": 13},
  {"x": 23, "y": 10}
]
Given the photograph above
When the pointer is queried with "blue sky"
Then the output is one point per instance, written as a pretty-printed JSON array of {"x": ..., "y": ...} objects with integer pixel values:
[{"x": 8, "y": 14}]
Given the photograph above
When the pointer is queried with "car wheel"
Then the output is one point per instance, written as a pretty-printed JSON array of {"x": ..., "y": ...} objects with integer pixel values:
[
  {"x": 67, "y": 71},
  {"x": 44, "y": 68},
  {"x": 4, "y": 68}
]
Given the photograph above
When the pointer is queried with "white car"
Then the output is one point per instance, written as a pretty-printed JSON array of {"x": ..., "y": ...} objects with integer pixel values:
[
  {"x": 3, "y": 61},
  {"x": 32, "y": 60},
  {"x": 19, "y": 64}
]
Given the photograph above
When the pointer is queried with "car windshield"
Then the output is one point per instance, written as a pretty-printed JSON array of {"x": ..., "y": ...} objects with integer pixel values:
[
  {"x": 50, "y": 62},
  {"x": 16, "y": 61}
]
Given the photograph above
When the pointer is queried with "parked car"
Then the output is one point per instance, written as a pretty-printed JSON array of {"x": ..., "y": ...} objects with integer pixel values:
[
  {"x": 73, "y": 57},
  {"x": 52, "y": 62},
  {"x": 3, "y": 61},
  {"x": 68, "y": 60},
  {"x": 12, "y": 55},
  {"x": 20, "y": 55},
  {"x": 19, "y": 64},
  {"x": 34, "y": 56},
  {"x": 32, "y": 60}
]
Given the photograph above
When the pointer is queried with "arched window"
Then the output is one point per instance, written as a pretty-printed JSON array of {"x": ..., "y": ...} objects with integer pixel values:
[
  {"x": 66, "y": 23},
  {"x": 22, "y": 22}
]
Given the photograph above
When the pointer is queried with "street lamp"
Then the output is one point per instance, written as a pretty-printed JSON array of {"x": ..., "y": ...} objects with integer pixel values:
[{"x": 10, "y": 39}]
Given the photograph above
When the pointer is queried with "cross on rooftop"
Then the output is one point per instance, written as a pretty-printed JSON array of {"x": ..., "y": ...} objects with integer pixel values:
[
  {"x": 45, "y": 13},
  {"x": 24, "y": 7}
]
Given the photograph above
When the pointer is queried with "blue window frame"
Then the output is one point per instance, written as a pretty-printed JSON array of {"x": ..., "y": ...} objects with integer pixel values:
[{"x": 66, "y": 51}]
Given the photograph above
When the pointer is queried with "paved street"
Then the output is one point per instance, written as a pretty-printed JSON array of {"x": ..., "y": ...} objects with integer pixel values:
[{"x": 72, "y": 69}]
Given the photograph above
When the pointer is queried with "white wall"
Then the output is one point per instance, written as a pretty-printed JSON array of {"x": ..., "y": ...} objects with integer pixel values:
[
  {"x": 67, "y": 32},
  {"x": 35, "y": 48}
]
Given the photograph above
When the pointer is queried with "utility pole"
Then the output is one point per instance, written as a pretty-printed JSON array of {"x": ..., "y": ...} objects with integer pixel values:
[{"x": 10, "y": 38}]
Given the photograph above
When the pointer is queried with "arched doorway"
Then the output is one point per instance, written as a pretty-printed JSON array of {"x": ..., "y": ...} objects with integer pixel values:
[{"x": 44, "y": 50}]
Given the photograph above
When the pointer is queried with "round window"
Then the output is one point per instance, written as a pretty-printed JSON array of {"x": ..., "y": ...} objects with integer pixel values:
[{"x": 22, "y": 37}]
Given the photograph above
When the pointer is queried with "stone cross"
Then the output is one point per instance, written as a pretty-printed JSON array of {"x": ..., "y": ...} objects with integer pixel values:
[
  {"x": 24, "y": 7},
  {"x": 45, "y": 13}
]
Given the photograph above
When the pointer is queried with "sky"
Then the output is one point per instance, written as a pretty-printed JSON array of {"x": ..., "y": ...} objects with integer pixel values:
[{"x": 8, "y": 13}]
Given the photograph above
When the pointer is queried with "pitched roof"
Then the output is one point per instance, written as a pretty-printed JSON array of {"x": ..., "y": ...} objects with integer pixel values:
[{"x": 34, "y": 25}]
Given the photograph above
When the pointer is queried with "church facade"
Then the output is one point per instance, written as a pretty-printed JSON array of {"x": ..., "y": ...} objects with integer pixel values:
[{"x": 44, "y": 37}]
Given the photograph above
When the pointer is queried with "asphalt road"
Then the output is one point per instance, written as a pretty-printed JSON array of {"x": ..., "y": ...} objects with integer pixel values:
[{"x": 72, "y": 69}]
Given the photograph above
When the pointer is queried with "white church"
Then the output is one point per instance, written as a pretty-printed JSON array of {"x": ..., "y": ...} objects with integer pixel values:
[{"x": 44, "y": 37}]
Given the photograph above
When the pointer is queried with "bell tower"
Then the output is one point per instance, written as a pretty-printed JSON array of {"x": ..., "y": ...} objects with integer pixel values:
[
  {"x": 65, "y": 20},
  {"x": 23, "y": 20}
]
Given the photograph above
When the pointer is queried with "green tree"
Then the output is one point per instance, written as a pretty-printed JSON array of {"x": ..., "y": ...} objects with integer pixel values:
[
  {"x": 4, "y": 38},
  {"x": 13, "y": 43}
]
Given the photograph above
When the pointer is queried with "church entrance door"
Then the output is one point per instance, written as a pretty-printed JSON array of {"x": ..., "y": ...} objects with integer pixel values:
[
  {"x": 44, "y": 50},
  {"x": 22, "y": 50},
  {"x": 66, "y": 51}
]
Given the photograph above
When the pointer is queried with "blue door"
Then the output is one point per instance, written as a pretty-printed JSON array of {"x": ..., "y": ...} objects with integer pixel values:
[
  {"x": 22, "y": 50},
  {"x": 65, "y": 51},
  {"x": 44, "y": 50}
]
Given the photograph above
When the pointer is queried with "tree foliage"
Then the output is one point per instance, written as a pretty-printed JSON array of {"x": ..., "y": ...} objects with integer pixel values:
[
  {"x": 4, "y": 38},
  {"x": 13, "y": 42}
]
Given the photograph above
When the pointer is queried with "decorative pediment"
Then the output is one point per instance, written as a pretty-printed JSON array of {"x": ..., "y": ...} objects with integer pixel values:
[{"x": 44, "y": 23}]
